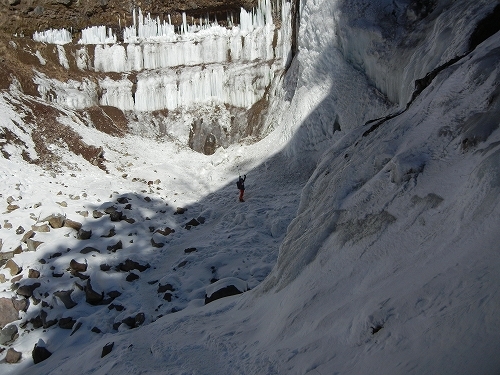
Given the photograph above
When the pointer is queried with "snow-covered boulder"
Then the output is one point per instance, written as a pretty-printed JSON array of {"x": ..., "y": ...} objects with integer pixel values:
[
  {"x": 40, "y": 353},
  {"x": 225, "y": 288}
]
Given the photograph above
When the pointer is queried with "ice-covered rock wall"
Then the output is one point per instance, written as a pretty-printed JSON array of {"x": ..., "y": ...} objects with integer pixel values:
[
  {"x": 393, "y": 59},
  {"x": 165, "y": 68},
  {"x": 171, "y": 88},
  {"x": 214, "y": 45}
]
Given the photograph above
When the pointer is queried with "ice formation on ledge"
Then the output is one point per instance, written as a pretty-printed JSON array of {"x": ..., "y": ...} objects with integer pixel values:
[
  {"x": 148, "y": 29},
  {"x": 259, "y": 17},
  {"x": 196, "y": 64},
  {"x": 145, "y": 28},
  {"x": 240, "y": 86},
  {"x": 155, "y": 45},
  {"x": 97, "y": 35},
  {"x": 71, "y": 94},
  {"x": 217, "y": 46},
  {"x": 61, "y": 36}
]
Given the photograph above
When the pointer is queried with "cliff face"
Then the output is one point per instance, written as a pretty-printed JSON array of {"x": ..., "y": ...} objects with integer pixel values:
[
  {"x": 27, "y": 16},
  {"x": 198, "y": 89}
]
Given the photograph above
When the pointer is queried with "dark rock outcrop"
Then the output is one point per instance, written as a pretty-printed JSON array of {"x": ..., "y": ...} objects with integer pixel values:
[
  {"x": 73, "y": 224},
  {"x": 29, "y": 234},
  {"x": 227, "y": 291},
  {"x": 46, "y": 323},
  {"x": 27, "y": 290},
  {"x": 40, "y": 353},
  {"x": 107, "y": 349},
  {"x": 115, "y": 247},
  {"x": 33, "y": 274},
  {"x": 97, "y": 214},
  {"x": 111, "y": 233},
  {"x": 131, "y": 277},
  {"x": 42, "y": 228},
  {"x": 65, "y": 297},
  {"x": 20, "y": 304},
  {"x": 56, "y": 220},
  {"x": 135, "y": 321},
  {"x": 91, "y": 296},
  {"x": 89, "y": 249},
  {"x": 156, "y": 244},
  {"x": 33, "y": 244},
  {"x": 84, "y": 234},
  {"x": 191, "y": 223},
  {"x": 165, "y": 288},
  {"x": 130, "y": 265},
  {"x": 224, "y": 288},
  {"x": 67, "y": 323},
  {"x": 166, "y": 231}
]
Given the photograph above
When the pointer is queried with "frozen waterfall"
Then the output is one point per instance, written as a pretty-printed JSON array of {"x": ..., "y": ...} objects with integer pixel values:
[
  {"x": 239, "y": 86},
  {"x": 152, "y": 44},
  {"x": 168, "y": 67},
  {"x": 216, "y": 45}
]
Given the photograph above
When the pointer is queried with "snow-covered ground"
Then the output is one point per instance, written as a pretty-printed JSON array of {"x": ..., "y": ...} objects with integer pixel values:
[{"x": 367, "y": 246}]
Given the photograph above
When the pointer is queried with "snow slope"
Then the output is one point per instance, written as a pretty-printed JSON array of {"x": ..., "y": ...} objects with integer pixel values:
[{"x": 390, "y": 262}]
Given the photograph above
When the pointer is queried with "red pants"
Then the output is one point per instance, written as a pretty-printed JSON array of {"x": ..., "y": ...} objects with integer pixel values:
[{"x": 242, "y": 191}]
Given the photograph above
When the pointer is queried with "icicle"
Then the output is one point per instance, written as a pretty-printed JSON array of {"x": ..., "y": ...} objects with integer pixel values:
[{"x": 184, "y": 23}]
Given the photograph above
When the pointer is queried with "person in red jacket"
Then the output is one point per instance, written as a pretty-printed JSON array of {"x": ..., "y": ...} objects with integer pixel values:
[{"x": 241, "y": 186}]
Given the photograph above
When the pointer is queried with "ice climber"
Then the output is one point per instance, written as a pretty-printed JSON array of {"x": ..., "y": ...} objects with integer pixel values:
[{"x": 241, "y": 186}]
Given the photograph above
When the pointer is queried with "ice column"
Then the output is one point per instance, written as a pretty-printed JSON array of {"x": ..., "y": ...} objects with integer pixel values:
[
  {"x": 63, "y": 60},
  {"x": 284, "y": 48},
  {"x": 110, "y": 58},
  {"x": 117, "y": 94},
  {"x": 135, "y": 61},
  {"x": 82, "y": 58}
]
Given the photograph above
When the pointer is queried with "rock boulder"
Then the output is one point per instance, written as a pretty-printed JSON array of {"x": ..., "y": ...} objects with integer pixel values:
[{"x": 8, "y": 312}]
